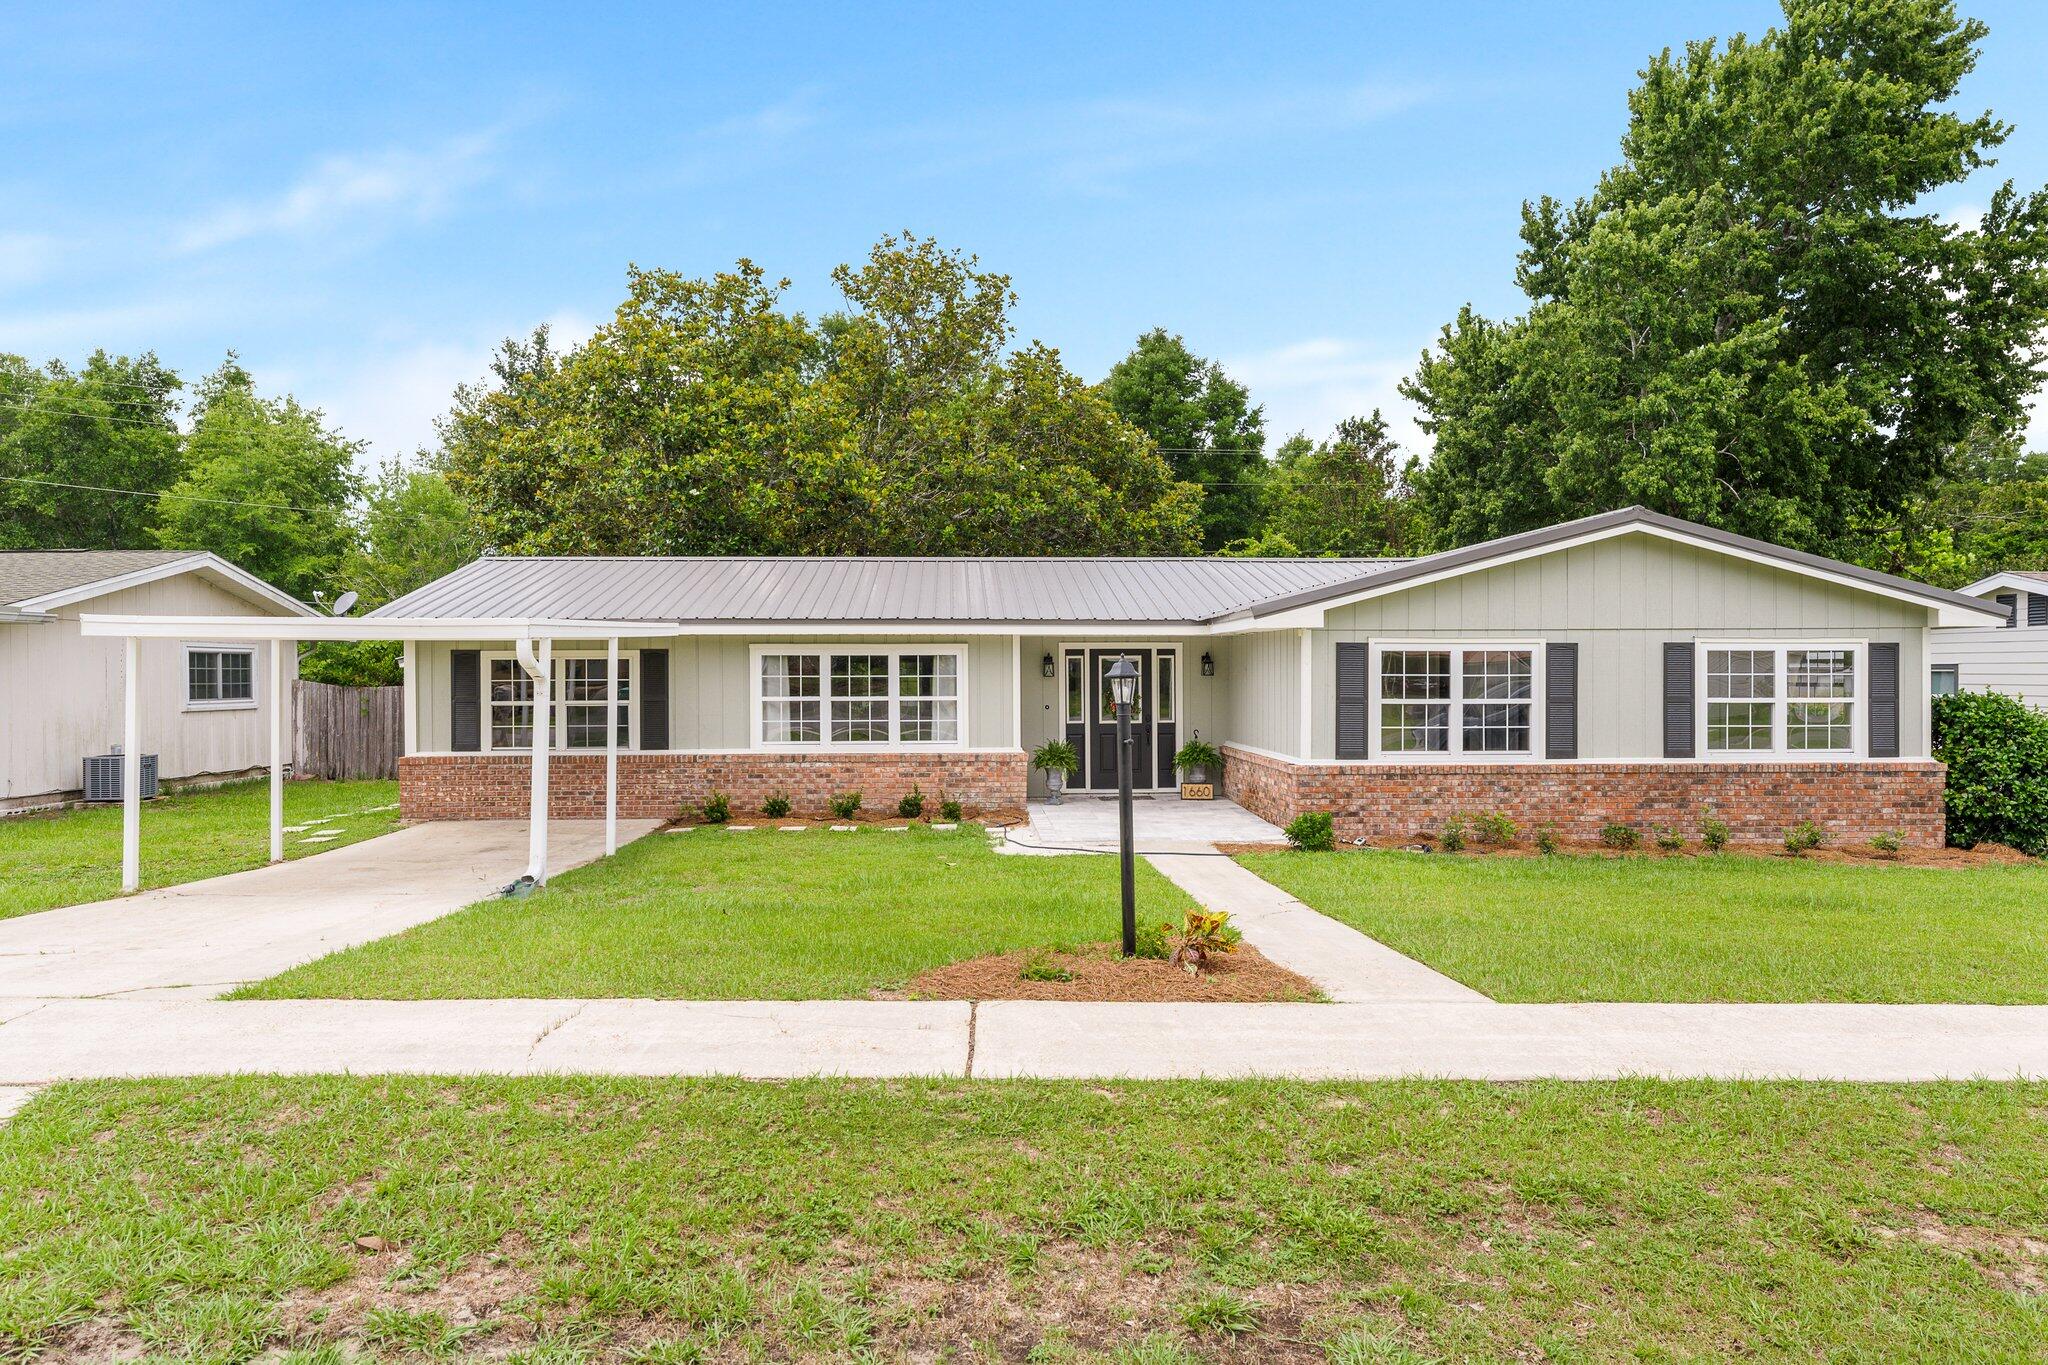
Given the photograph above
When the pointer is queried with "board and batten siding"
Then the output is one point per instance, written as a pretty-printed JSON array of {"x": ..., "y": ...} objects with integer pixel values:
[
  {"x": 1620, "y": 601},
  {"x": 1995, "y": 658},
  {"x": 64, "y": 695},
  {"x": 1261, "y": 681},
  {"x": 710, "y": 685}
]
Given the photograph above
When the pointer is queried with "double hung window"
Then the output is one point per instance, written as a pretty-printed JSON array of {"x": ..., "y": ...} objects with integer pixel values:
[
  {"x": 858, "y": 698},
  {"x": 219, "y": 678},
  {"x": 576, "y": 698},
  {"x": 1476, "y": 700},
  {"x": 1791, "y": 699}
]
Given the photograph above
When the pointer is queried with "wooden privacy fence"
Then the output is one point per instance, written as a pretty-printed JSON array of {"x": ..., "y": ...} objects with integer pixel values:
[{"x": 345, "y": 732}]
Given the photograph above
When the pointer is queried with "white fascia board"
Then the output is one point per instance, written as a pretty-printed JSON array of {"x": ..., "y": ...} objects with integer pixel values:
[
  {"x": 1946, "y": 613},
  {"x": 2014, "y": 581},
  {"x": 317, "y": 628},
  {"x": 242, "y": 579}
]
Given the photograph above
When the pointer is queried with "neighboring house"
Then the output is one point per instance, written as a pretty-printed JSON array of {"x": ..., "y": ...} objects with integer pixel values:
[
  {"x": 2006, "y": 655},
  {"x": 201, "y": 705},
  {"x": 1628, "y": 666}
]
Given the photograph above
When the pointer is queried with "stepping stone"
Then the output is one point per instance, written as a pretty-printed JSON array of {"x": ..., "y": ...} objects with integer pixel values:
[
  {"x": 296, "y": 829},
  {"x": 793, "y": 829},
  {"x": 319, "y": 838},
  {"x": 740, "y": 829},
  {"x": 845, "y": 829},
  {"x": 946, "y": 826},
  {"x": 895, "y": 829}
]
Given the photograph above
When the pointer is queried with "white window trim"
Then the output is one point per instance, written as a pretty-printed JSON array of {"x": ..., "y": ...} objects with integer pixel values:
[
  {"x": 1458, "y": 648},
  {"x": 558, "y": 728},
  {"x": 1859, "y": 716},
  {"x": 757, "y": 738},
  {"x": 192, "y": 647}
]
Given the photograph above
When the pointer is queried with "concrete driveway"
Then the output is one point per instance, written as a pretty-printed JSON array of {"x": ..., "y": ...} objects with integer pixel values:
[{"x": 206, "y": 937}]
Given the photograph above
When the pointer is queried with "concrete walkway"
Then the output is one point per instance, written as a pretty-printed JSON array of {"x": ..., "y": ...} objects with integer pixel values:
[
  {"x": 67, "y": 1039},
  {"x": 206, "y": 937},
  {"x": 1346, "y": 965},
  {"x": 1159, "y": 823}
]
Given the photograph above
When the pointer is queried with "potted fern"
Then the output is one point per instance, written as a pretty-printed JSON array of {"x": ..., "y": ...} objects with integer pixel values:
[
  {"x": 1199, "y": 765},
  {"x": 1055, "y": 758}
]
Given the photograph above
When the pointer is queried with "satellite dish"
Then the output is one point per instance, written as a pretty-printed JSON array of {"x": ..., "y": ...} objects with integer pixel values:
[{"x": 343, "y": 603}]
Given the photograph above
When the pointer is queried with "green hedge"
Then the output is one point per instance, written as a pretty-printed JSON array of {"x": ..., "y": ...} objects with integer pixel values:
[{"x": 1996, "y": 748}]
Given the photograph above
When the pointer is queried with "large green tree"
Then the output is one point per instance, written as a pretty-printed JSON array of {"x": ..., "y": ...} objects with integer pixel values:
[
  {"x": 1348, "y": 495},
  {"x": 66, "y": 436},
  {"x": 1751, "y": 321},
  {"x": 267, "y": 485},
  {"x": 1204, "y": 422},
  {"x": 706, "y": 418}
]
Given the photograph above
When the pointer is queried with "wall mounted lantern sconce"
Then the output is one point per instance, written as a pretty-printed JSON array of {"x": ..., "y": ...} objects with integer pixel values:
[
  {"x": 1208, "y": 665},
  {"x": 1045, "y": 666}
]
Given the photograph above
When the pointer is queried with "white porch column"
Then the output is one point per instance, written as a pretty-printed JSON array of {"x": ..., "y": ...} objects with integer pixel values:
[
  {"x": 540, "y": 666},
  {"x": 131, "y": 774},
  {"x": 278, "y": 704},
  {"x": 409, "y": 742},
  {"x": 611, "y": 746}
]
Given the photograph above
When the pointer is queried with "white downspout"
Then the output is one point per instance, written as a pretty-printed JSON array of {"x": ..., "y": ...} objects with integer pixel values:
[
  {"x": 611, "y": 746},
  {"x": 131, "y": 776},
  {"x": 539, "y": 666}
]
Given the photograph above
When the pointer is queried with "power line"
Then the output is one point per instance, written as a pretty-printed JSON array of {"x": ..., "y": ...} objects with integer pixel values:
[{"x": 174, "y": 497}]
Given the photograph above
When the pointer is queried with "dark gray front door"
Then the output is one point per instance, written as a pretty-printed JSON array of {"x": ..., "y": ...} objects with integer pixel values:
[{"x": 1101, "y": 760}]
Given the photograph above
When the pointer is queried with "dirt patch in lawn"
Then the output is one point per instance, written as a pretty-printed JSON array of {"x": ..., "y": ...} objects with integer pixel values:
[{"x": 1099, "y": 972}]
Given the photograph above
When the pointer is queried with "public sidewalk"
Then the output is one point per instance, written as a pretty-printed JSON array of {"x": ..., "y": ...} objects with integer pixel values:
[{"x": 73, "y": 1039}]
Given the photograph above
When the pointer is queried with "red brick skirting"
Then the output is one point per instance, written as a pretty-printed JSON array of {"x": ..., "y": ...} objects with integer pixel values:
[
  {"x": 661, "y": 786},
  {"x": 1851, "y": 801}
]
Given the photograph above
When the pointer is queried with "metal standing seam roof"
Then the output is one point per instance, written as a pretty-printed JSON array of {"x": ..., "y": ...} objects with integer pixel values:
[
  {"x": 28, "y": 574},
  {"x": 867, "y": 589}
]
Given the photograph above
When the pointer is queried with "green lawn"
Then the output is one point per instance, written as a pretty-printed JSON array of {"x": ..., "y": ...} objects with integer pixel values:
[
  {"x": 1708, "y": 928},
  {"x": 73, "y": 856},
  {"x": 566, "y": 1219},
  {"x": 713, "y": 915}
]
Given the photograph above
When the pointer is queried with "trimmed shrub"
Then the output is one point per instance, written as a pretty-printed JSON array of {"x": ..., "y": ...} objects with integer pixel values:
[
  {"x": 1887, "y": 844},
  {"x": 776, "y": 806},
  {"x": 1312, "y": 832},
  {"x": 1996, "y": 748},
  {"x": 1494, "y": 827},
  {"x": 1620, "y": 836},
  {"x": 949, "y": 809},
  {"x": 1804, "y": 837},
  {"x": 912, "y": 805},
  {"x": 844, "y": 804},
  {"x": 717, "y": 808},
  {"x": 1546, "y": 837},
  {"x": 1713, "y": 832},
  {"x": 1451, "y": 838},
  {"x": 1668, "y": 839}
]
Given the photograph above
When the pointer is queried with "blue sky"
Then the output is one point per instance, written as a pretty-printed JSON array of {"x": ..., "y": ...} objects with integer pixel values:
[{"x": 363, "y": 200}]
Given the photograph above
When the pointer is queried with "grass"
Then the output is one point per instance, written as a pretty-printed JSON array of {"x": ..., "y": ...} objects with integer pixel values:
[
  {"x": 69, "y": 857},
  {"x": 569, "y": 1219},
  {"x": 713, "y": 915},
  {"x": 1693, "y": 929}
]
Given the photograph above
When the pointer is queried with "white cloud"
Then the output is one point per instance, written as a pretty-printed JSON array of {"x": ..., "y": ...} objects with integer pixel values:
[
  {"x": 1311, "y": 385},
  {"x": 415, "y": 184},
  {"x": 393, "y": 397}
]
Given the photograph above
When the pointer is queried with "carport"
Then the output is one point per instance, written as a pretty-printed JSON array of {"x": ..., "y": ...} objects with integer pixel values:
[{"x": 532, "y": 642}]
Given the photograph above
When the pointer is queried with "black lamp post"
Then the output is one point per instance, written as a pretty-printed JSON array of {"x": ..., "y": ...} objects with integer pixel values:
[{"x": 1123, "y": 689}]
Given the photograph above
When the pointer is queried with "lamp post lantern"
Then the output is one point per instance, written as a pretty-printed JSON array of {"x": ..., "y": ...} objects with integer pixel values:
[{"x": 1123, "y": 690}]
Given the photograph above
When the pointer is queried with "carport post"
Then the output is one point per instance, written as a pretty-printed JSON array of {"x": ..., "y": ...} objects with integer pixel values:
[
  {"x": 542, "y": 672},
  {"x": 277, "y": 706},
  {"x": 611, "y": 746},
  {"x": 131, "y": 775}
]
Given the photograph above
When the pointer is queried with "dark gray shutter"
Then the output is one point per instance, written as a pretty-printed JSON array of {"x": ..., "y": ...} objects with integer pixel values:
[
  {"x": 1353, "y": 661},
  {"x": 2037, "y": 609},
  {"x": 1678, "y": 699},
  {"x": 2011, "y": 602},
  {"x": 465, "y": 700},
  {"x": 1561, "y": 701},
  {"x": 653, "y": 686},
  {"x": 1884, "y": 700}
]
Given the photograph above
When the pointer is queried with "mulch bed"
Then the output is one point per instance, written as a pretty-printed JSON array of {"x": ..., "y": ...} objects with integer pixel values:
[
  {"x": 1982, "y": 855},
  {"x": 868, "y": 819},
  {"x": 1101, "y": 973}
]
